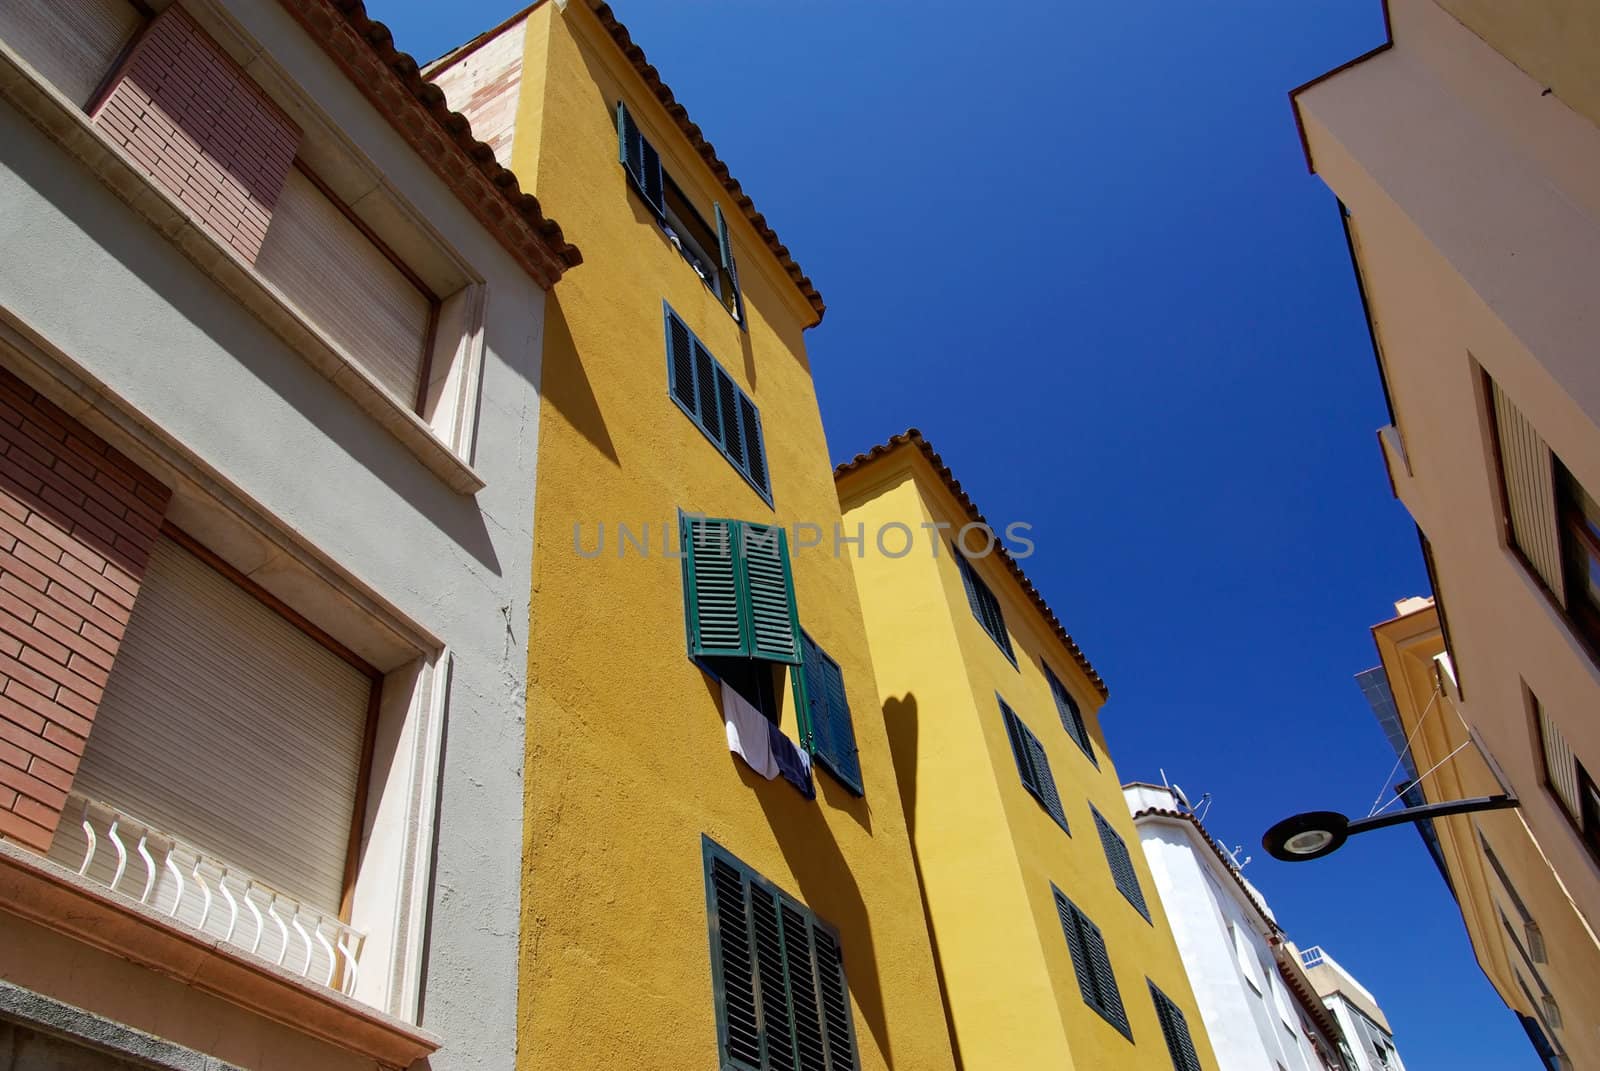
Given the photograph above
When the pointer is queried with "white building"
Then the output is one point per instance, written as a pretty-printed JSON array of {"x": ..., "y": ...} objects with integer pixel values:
[
  {"x": 1369, "y": 1043},
  {"x": 270, "y": 333},
  {"x": 1260, "y": 1009}
]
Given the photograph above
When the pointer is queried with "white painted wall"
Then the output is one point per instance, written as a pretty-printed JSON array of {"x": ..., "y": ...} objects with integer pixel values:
[
  {"x": 337, "y": 516},
  {"x": 1206, "y": 908}
]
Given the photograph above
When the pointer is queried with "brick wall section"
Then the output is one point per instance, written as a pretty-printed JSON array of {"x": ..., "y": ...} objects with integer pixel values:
[
  {"x": 202, "y": 129},
  {"x": 77, "y": 521}
]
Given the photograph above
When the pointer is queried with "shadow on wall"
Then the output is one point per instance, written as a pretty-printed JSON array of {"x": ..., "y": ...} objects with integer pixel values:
[
  {"x": 566, "y": 385},
  {"x": 900, "y": 718},
  {"x": 193, "y": 298}
]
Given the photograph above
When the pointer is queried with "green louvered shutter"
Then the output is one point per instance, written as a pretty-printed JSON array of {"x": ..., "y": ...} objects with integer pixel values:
[
  {"x": 773, "y": 626},
  {"x": 1046, "y": 781},
  {"x": 1110, "y": 998},
  {"x": 1071, "y": 716},
  {"x": 1019, "y": 749},
  {"x": 1175, "y": 1028},
  {"x": 1122, "y": 872},
  {"x": 811, "y": 1053},
  {"x": 985, "y": 606},
  {"x": 733, "y": 965},
  {"x": 728, "y": 395},
  {"x": 833, "y": 734},
  {"x": 641, "y": 160},
  {"x": 713, "y": 586},
  {"x": 1081, "y": 967},
  {"x": 777, "y": 1015},
  {"x": 730, "y": 270},
  {"x": 680, "y": 363},
  {"x": 755, "y": 461},
  {"x": 839, "y": 1028},
  {"x": 706, "y": 370}
]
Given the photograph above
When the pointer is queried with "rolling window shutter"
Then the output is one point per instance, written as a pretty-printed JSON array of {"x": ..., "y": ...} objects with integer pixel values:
[
  {"x": 773, "y": 624},
  {"x": 72, "y": 43},
  {"x": 680, "y": 364},
  {"x": 833, "y": 735},
  {"x": 1175, "y": 1029},
  {"x": 226, "y": 726},
  {"x": 641, "y": 160},
  {"x": 346, "y": 286},
  {"x": 1122, "y": 872},
  {"x": 1561, "y": 769},
  {"x": 713, "y": 586},
  {"x": 1047, "y": 783},
  {"x": 755, "y": 447},
  {"x": 1529, "y": 475},
  {"x": 1071, "y": 716},
  {"x": 734, "y": 963},
  {"x": 1019, "y": 748},
  {"x": 730, "y": 270}
]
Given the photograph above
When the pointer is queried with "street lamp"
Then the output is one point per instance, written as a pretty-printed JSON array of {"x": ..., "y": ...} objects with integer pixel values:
[{"x": 1317, "y": 833}]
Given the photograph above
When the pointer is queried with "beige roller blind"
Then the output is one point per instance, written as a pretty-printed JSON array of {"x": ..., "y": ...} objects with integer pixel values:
[
  {"x": 346, "y": 286},
  {"x": 226, "y": 726},
  {"x": 73, "y": 43},
  {"x": 1561, "y": 770},
  {"x": 1525, "y": 464}
]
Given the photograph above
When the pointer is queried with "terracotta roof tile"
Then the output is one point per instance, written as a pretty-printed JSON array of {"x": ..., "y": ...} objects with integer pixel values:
[
  {"x": 913, "y": 437},
  {"x": 364, "y": 49}
]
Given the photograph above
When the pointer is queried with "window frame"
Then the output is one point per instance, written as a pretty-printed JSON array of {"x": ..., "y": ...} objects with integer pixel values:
[
  {"x": 752, "y": 881},
  {"x": 697, "y": 392},
  {"x": 1086, "y": 947}
]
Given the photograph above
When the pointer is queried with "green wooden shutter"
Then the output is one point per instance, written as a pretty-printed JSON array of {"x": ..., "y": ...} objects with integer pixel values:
[
  {"x": 815, "y": 687},
  {"x": 777, "y": 1017},
  {"x": 1019, "y": 748},
  {"x": 733, "y": 966},
  {"x": 832, "y": 739},
  {"x": 1122, "y": 872},
  {"x": 1045, "y": 780},
  {"x": 840, "y": 1027},
  {"x": 1081, "y": 968},
  {"x": 985, "y": 606},
  {"x": 754, "y": 445},
  {"x": 705, "y": 369},
  {"x": 1071, "y": 716},
  {"x": 730, "y": 270},
  {"x": 1175, "y": 1028},
  {"x": 680, "y": 363},
  {"x": 811, "y": 1053},
  {"x": 1110, "y": 998},
  {"x": 714, "y": 590},
  {"x": 772, "y": 624},
  {"x": 641, "y": 160},
  {"x": 728, "y": 400}
]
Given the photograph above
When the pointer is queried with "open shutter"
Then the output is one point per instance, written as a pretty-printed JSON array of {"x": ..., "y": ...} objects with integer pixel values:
[
  {"x": 1175, "y": 1029},
  {"x": 730, "y": 270},
  {"x": 1047, "y": 783},
  {"x": 734, "y": 965},
  {"x": 774, "y": 626},
  {"x": 641, "y": 160},
  {"x": 1019, "y": 748},
  {"x": 816, "y": 688},
  {"x": 1122, "y": 872},
  {"x": 712, "y": 586},
  {"x": 680, "y": 364},
  {"x": 839, "y": 1029},
  {"x": 833, "y": 736}
]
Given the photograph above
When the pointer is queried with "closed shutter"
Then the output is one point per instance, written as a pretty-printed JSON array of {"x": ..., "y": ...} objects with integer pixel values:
[
  {"x": 711, "y": 398},
  {"x": 833, "y": 735},
  {"x": 1175, "y": 1029},
  {"x": 225, "y": 725},
  {"x": 728, "y": 403},
  {"x": 985, "y": 607},
  {"x": 1091, "y": 963},
  {"x": 1071, "y": 716},
  {"x": 778, "y": 974},
  {"x": 1560, "y": 768},
  {"x": 755, "y": 462},
  {"x": 730, "y": 270},
  {"x": 712, "y": 587},
  {"x": 680, "y": 364},
  {"x": 1529, "y": 476},
  {"x": 1047, "y": 782},
  {"x": 72, "y": 43},
  {"x": 1122, "y": 872},
  {"x": 1019, "y": 748},
  {"x": 641, "y": 160},
  {"x": 345, "y": 285},
  {"x": 774, "y": 626}
]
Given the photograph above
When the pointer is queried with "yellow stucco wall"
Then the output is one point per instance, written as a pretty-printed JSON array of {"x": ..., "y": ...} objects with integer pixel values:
[
  {"x": 987, "y": 852},
  {"x": 627, "y": 762}
]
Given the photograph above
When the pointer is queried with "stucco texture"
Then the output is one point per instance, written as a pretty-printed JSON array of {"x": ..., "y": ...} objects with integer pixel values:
[
  {"x": 986, "y": 850},
  {"x": 628, "y": 763}
]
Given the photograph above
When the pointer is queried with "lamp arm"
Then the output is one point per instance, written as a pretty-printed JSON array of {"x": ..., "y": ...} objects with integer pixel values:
[{"x": 1435, "y": 810}]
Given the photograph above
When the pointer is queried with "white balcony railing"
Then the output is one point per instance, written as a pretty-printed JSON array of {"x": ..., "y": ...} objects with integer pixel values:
[{"x": 133, "y": 859}]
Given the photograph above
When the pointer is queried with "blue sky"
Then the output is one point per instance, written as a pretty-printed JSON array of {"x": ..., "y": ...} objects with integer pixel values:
[{"x": 1077, "y": 245}]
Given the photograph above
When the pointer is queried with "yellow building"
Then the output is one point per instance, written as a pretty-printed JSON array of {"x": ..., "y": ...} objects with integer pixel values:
[
  {"x": 1053, "y": 949},
  {"x": 681, "y": 910},
  {"x": 1530, "y": 938}
]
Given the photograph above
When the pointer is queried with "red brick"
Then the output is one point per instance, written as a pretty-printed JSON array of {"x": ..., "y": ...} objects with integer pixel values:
[
  {"x": 16, "y": 714},
  {"x": 51, "y": 774},
  {"x": 100, "y": 638},
  {"x": 64, "y": 676},
  {"x": 30, "y": 786},
  {"x": 65, "y": 602},
  {"x": 7, "y": 798},
  {"x": 10, "y": 754},
  {"x": 52, "y": 572},
  {"x": 34, "y": 811},
  {"x": 22, "y": 579},
  {"x": 15, "y": 827},
  {"x": 32, "y": 700},
  {"x": 73, "y": 642},
  {"x": 18, "y": 603},
  {"x": 73, "y": 711},
  {"x": 10, "y": 507},
  {"x": 20, "y": 464},
  {"x": 14, "y": 482},
  {"x": 10, "y": 645},
  {"x": 90, "y": 672},
  {"x": 10, "y": 414},
  {"x": 70, "y": 743},
  {"x": 106, "y": 605},
  {"x": 29, "y": 675}
]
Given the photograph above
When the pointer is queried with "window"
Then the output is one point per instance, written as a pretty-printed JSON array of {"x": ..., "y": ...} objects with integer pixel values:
[
  {"x": 1568, "y": 780},
  {"x": 1092, "y": 964},
  {"x": 1175, "y": 1028},
  {"x": 985, "y": 607},
  {"x": 1249, "y": 967},
  {"x": 1033, "y": 765},
  {"x": 830, "y": 734},
  {"x": 1122, "y": 871},
  {"x": 704, "y": 390},
  {"x": 1071, "y": 716},
  {"x": 782, "y": 1002},
  {"x": 72, "y": 44},
  {"x": 1580, "y": 553},
  {"x": 685, "y": 228},
  {"x": 738, "y": 591}
]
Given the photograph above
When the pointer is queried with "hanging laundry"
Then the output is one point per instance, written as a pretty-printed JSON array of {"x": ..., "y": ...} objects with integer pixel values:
[{"x": 749, "y": 734}]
